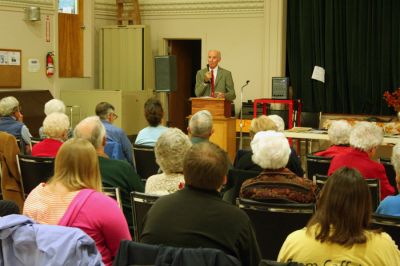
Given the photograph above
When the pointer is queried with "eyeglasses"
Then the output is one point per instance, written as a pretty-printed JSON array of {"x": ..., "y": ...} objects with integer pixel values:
[{"x": 114, "y": 115}]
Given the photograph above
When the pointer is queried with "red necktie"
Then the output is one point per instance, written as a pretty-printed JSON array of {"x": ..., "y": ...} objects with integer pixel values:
[{"x": 212, "y": 83}]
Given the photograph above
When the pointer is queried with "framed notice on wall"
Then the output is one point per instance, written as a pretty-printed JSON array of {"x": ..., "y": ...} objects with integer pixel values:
[{"x": 10, "y": 68}]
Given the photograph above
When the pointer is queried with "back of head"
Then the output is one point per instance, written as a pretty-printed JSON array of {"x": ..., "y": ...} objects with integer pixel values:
[
  {"x": 345, "y": 205},
  {"x": 103, "y": 109},
  {"x": 271, "y": 150},
  {"x": 54, "y": 106},
  {"x": 278, "y": 122},
  {"x": 92, "y": 130},
  {"x": 366, "y": 136},
  {"x": 262, "y": 123},
  {"x": 56, "y": 125},
  {"x": 396, "y": 159},
  {"x": 339, "y": 132},
  {"x": 205, "y": 166},
  {"x": 170, "y": 150},
  {"x": 200, "y": 124},
  {"x": 76, "y": 166},
  {"x": 8, "y": 106},
  {"x": 153, "y": 111}
]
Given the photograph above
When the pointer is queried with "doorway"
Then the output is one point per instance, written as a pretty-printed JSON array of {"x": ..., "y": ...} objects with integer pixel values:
[{"x": 188, "y": 62}]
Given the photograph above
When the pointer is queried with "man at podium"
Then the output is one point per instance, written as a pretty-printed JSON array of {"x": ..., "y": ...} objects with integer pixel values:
[{"x": 213, "y": 80}]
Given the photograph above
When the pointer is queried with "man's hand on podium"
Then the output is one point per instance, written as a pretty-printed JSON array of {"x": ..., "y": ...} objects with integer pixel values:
[{"x": 220, "y": 95}]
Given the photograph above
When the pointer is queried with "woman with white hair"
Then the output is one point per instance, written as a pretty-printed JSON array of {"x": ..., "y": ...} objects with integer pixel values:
[
  {"x": 265, "y": 123},
  {"x": 364, "y": 140},
  {"x": 391, "y": 204},
  {"x": 170, "y": 151},
  {"x": 50, "y": 107},
  {"x": 339, "y": 135},
  {"x": 55, "y": 127},
  {"x": 271, "y": 152}
]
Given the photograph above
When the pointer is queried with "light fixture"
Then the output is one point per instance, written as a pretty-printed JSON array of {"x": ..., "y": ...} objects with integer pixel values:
[{"x": 32, "y": 13}]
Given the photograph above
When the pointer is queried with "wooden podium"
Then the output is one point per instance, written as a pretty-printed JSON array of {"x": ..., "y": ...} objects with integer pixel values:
[{"x": 224, "y": 125}]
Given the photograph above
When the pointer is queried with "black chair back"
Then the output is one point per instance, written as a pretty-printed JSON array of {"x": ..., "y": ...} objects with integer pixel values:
[
  {"x": 390, "y": 172},
  {"x": 141, "y": 204},
  {"x": 236, "y": 177},
  {"x": 374, "y": 185},
  {"x": 317, "y": 165},
  {"x": 34, "y": 170},
  {"x": 145, "y": 161},
  {"x": 389, "y": 224},
  {"x": 273, "y": 222}
]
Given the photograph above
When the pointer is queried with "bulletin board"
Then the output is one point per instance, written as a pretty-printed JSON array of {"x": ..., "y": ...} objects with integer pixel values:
[{"x": 10, "y": 68}]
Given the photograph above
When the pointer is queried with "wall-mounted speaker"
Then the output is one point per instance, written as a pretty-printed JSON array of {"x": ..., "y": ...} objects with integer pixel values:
[
  {"x": 280, "y": 88},
  {"x": 165, "y": 73}
]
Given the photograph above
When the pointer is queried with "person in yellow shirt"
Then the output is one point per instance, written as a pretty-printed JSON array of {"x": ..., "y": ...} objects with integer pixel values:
[{"x": 338, "y": 233}]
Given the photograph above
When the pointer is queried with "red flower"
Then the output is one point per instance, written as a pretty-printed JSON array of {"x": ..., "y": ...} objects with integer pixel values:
[{"x": 393, "y": 99}]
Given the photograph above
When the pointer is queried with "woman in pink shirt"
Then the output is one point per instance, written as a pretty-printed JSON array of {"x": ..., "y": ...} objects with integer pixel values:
[{"x": 73, "y": 197}]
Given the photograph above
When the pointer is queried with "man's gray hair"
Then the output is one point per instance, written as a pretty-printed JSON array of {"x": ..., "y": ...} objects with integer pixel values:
[
  {"x": 92, "y": 130},
  {"x": 278, "y": 122},
  {"x": 366, "y": 136},
  {"x": 201, "y": 124},
  {"x": 271, "y": 149},
  {"x": 339, "y": 132},
  {"x": 8, "y": 105},
  {"x": 54, "y": 106}
]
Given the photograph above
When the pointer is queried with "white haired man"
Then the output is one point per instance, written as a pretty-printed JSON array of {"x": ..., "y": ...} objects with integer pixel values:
[
  {"x": 200, "y": 126},
  {"x": 364, "y": 140},
  {"x": 11, "y": 121}
]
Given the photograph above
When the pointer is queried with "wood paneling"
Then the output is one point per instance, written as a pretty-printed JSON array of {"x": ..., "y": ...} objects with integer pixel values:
[{"x": 70, "y": 43}]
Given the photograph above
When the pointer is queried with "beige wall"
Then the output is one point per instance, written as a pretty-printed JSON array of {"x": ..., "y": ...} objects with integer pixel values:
[{"x": 249, "y": 34}]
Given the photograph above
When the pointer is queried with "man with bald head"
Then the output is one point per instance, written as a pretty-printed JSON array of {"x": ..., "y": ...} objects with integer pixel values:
[{"x": 214, "y": 81}]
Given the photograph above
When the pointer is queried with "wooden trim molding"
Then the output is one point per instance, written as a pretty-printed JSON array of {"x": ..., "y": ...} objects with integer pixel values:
[{"x": 185, "y": 7}]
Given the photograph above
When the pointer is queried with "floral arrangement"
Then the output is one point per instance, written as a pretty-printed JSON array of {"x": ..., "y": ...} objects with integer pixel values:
[{"x": 393, "y": 99}]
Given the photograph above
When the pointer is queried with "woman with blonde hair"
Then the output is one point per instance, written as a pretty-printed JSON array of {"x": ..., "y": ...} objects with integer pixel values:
[
  {"x": 338, "y": 233},
  {"x": 73, "y": 197}
]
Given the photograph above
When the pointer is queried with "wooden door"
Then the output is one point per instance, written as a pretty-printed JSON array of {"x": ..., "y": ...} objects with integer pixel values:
[
  {"x": 188, "y": 62},
  {"x": 70, "y": 43}
]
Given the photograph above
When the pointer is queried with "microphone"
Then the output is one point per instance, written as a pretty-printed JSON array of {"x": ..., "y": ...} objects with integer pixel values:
[{"x": 247, "y": 83}]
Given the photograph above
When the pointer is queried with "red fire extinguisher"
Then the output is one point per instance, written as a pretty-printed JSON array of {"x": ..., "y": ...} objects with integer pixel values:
[{"x": 49, "y": 64}]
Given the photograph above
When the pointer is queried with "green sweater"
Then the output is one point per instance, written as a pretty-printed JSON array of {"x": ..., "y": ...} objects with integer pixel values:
[{"x": 118, "y": 173}]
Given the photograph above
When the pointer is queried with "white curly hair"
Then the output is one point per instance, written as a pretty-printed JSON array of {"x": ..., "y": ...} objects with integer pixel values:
[
  {"x": 396, "y": 158},
  {"x": 170, "y": 150},
  {"x": 278, "y": 121},
  {"x": 339, "y": 132},
  {"x": 366, "y": 136},
  {"x": 8, "y": 105},
  {"x": 271, "y": 149},
  {"x": 56, "y": 125},
  {"x": 54, "y": 106}
]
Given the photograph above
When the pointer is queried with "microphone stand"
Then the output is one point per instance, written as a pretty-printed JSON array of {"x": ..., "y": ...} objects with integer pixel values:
[{"x": 241, "y": 115}]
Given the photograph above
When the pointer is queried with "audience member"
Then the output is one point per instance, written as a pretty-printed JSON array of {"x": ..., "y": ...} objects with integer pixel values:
[
  {"x": 11, "y": 121},
  {"x": 278, "y": 122},
  {"x": 114, "y": 173},
  {"x": 276, "y": 183},
  {"x": 196, "y": 216},
  {"x": 55, "y": 127},
  {"x": 154, "y": 113},
  {"x": 364, "y": 140},
  {"x": 73, "y": 197},
  {"x": 170, "y": 150},
  {"x": 200, "y": 126},
  {"x": 338, "y": 233},
  {"x": 107, "y": 115},
  {"x": 53, "y": 106},
  {"x": 8, "y": 207},
  {"x": 391, "y": 204},
  {"x": 339, "y": 135},
  {"x": 265, "y": 123}
]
